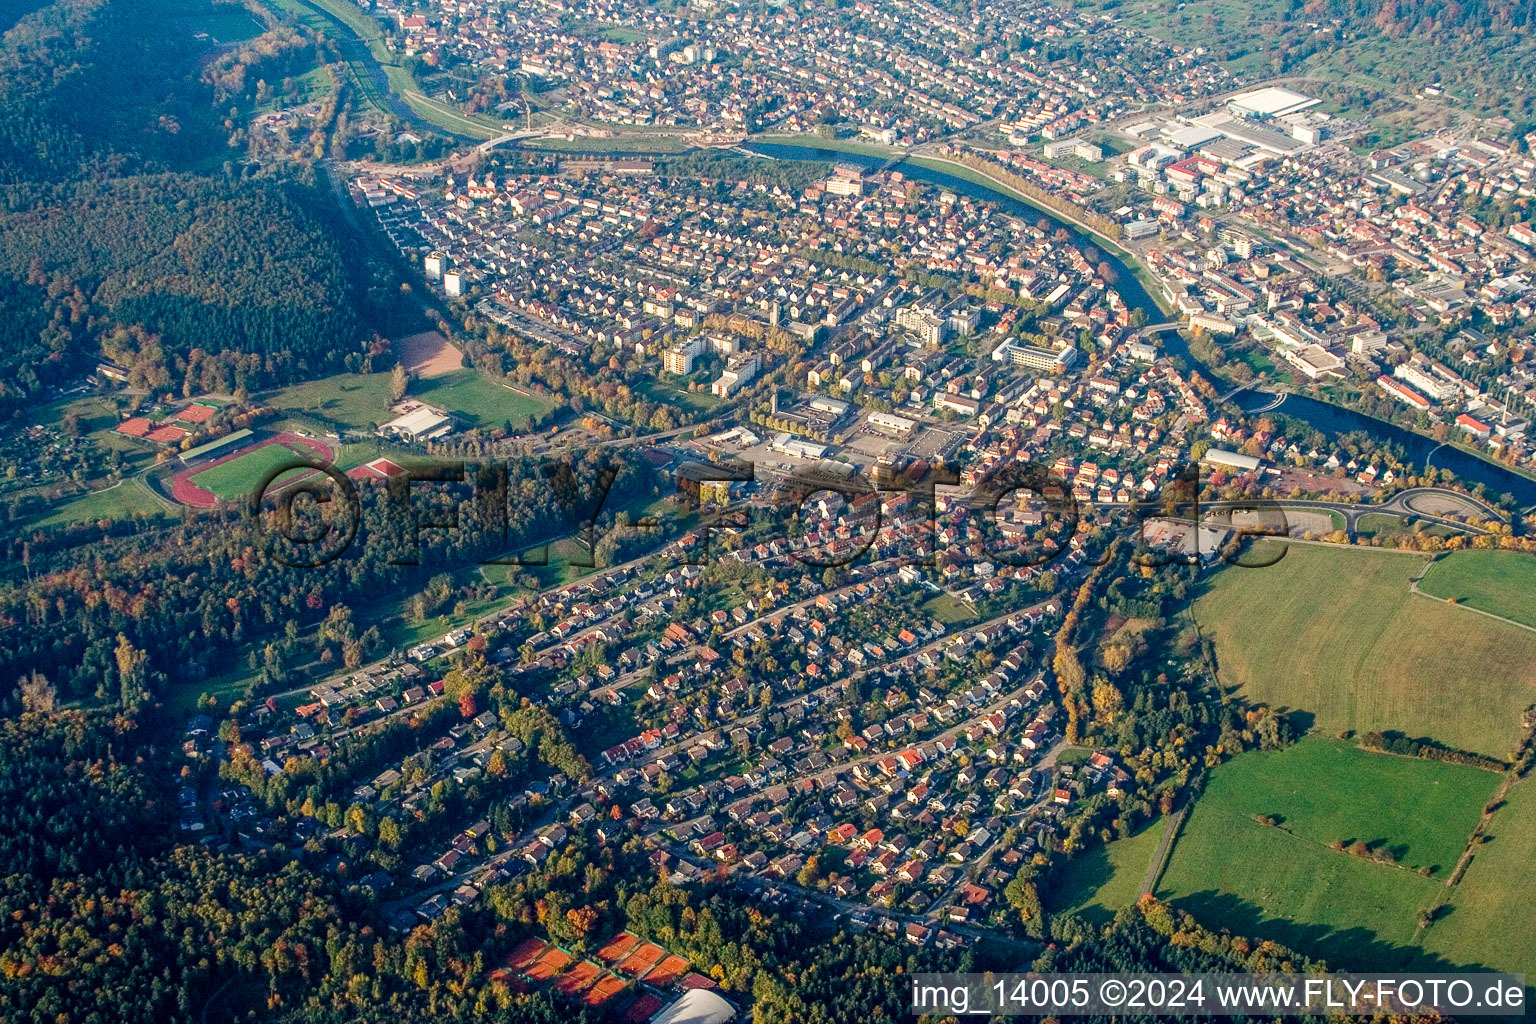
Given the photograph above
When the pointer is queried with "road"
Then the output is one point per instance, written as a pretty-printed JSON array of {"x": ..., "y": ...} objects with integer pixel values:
[
  {"x": 1352, "y": 513},
  {"x": 1413, "y": 587},
  {"x": 1164, "y": 849}
]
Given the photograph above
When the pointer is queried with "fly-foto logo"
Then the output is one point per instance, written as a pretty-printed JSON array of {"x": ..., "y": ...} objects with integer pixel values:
[{"x": 1023, "y": 515}]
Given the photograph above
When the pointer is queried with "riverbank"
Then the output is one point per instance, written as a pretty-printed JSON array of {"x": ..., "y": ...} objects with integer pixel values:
[
  {"x": 863, "y": 152},
  {"x": 1110, "y": 245},
  {"x": 383, "y": 81}
]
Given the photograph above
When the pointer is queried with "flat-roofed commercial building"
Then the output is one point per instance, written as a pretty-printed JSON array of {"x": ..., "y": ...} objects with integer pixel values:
[
  {"x": 890, "y": 423},
  {"x": 1232, "y": 460},
  {"x": 1268, "y": 102}
]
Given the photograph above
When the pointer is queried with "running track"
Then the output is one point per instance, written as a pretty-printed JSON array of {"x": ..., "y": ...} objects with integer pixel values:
[{"x": 184, "y": 491}]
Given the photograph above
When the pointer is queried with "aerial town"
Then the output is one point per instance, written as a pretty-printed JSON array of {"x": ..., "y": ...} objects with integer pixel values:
[{"x": 573, "y": 511}]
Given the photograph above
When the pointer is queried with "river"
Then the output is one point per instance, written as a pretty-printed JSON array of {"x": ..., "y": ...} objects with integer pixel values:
[
  {"x": 1331, "y": 420},
  {"x": 1334, "y": 421}
]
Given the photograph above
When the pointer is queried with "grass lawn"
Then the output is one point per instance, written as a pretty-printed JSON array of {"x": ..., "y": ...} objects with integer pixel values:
[
  {"x": 1286, "y": 884},
  {"x": 478, "y": 398},
  {"x": 1385, "y": 524},
  {"x": 311, "y": 87},
  {"x": 400, "y": 629},
  {"x": 357, "y": 400},
  {"x": 1490, "y": 922},
  {"x": 1105, "y": 877},
  {"x": 224, "y": 23},
  {"x": 125, "y": 501},
  {"x": 948, "y": 609},
  {"x": 615, "y": 33},
  {"x": 228, "y": 688},
  {"x": 238, "y": 478},
  {"x": 98, "y": 416},
  {"x": 1501, "y": 582},
  {"x": 558, "y": 571},
  {"x": 679, "y": 398},
  {"x": 1335, "y": 634}
]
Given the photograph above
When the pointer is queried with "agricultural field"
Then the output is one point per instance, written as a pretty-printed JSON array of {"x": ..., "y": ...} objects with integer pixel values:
[
  {"x": 1106, "y": 877},
  {"x": 1335, "y": 636},
  {"x": 1490, "y": 917},
  {"x": 1499, "y": 582},
  {"x": 238, "y": 478},
  {"x": 478, "y": 399},
  {"x": 1285, "y": 882}
]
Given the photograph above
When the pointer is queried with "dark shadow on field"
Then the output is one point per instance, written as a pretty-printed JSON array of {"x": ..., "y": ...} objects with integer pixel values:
[
  {"x": 1088, "y": 871},
  {"x": 1343, "y": 948},
  {"x": 1301, "y": 721}
]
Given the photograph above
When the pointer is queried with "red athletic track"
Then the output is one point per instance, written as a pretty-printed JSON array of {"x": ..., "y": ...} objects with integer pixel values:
[{"x": 186, "y": 492}]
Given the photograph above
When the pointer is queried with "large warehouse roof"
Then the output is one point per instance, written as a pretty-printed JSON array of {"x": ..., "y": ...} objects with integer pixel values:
[{"x": 1271, "y": 101}]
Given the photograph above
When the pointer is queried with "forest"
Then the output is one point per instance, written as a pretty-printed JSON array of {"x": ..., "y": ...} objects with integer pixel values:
[
  {"x": 131, "y": 229},
  {"x": 187, "y": 596},
  {"x": 168, "y": 264},
  {"x": 149, "y": 932},
  {"x": 1479, "y": 52}
]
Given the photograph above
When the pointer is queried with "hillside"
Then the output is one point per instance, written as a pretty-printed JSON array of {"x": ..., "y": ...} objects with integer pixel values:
[
  {"x": 125, "y": 233},
  {"x": 1480, "y": 53}
]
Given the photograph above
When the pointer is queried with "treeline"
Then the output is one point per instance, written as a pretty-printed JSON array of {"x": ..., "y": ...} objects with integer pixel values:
[
  {"x": 1107, "y": 226},
  {"x": 702, "y": 165},
  {"x": 791, "y": 971},
  {"x": 103, "y": 920},
  {"x": 280, "y": 53},
  {"x": 1428, "y": 749},
  {"x": 1153, "y": 937},
  {"x": 116, "y": 238}
]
